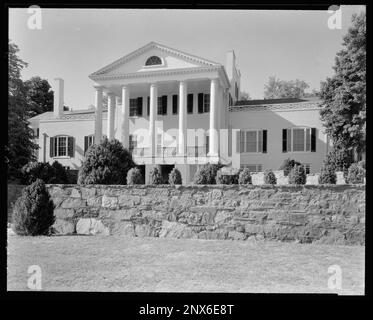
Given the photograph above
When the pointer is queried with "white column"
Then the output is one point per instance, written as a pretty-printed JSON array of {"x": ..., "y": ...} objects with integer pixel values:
[
  {"x": 124, "y": 123},
  {"x": 110, "y": 116},
  {"x": 182, "y": 117},
  {"x": 213, "y": 152},
  {"x": 98, "y": 115},
  {"x": 152, "y": 117}
]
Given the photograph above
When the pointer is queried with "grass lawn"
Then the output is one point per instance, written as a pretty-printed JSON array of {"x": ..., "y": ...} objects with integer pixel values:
[{"x": 113, "y": 263}]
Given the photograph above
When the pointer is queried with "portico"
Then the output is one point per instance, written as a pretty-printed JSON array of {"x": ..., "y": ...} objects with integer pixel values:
[{"x": 119, "y": 98}]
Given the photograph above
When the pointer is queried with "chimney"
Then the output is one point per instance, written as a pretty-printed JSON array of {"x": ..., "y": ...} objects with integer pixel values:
[
  {"x": 58, "y": 98},
  {"x": 231, "y": 64}
]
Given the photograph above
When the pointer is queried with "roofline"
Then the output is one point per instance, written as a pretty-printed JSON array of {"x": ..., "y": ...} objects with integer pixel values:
[{"x": 150, "y": 44}]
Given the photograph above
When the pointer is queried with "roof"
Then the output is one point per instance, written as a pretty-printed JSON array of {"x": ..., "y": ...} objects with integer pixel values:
[
  {"x": 275, "y": 101},
  {"x": 67, "y": 115},
  {"x": 149, "y": 46}
]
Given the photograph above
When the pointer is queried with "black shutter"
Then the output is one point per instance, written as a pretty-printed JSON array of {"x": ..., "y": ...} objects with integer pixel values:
[
  {"x": 164, "y": 105},
  {"x": 200, "y": 103},
  {"x": 85, "y": 143},
  {"x": 174, "y": 104},
  {"x": 139, "y": 106},
  {"x": 190, "y": 103},
  {"x": 313, "y": 139},
  {"x": 264, "y": 149},
  {"x": 70, "y": 146},
  {"x": 148, "y": 106},
  {"x": 51, "y": 147},
  {"x": 284, "y": 140}
]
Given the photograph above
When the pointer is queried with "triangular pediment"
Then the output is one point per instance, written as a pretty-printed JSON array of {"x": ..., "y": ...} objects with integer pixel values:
[{"x": 171, "y": 59}]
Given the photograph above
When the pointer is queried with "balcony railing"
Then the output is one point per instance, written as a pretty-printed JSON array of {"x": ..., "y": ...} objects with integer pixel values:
[{"x": 169, "y": 152}]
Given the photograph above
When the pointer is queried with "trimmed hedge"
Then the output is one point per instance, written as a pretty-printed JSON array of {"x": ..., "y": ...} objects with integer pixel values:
[
  {"x": 269, "y": 177},
  {"x": 54, "y": 174},
  {"x": 134, "y": 176},
  {"x": 155, "y": 176},
  {"x": 206, "y": 174},
  {"x": 356, "y": 174},
  {"x": 244, "y": 177},
  {"x": 288, "y": 165},
  {"x": 33, "y": 211},
  {"x": 106, "y": 163},
  {"x": 327, "y": 175},
  {"x": 226, "y": 178},
  {"x": 175, "y": 177},
  {"x": 297, "y": 175}
]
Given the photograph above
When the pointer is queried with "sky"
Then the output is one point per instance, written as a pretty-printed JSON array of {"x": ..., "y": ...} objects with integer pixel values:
[{"x": 73, "y": 43}]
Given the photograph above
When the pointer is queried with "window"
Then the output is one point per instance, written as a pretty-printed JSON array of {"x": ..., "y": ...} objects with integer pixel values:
[
  {"x": 136, "y": 107},
  {"x": 159, "y": 144},
  {"x": 206, "y": 102},
  {"x": 252, "y": 141},
  {"x": 236, "y": 90},
  {"x": 299, "y": 140},
  {"x": 252, "y": 167},
  {"x": 88, "y": 141},
  {"x": 190, "y": 103},
  {"x": 162, "y": 105},
  {"x": 154, "y": 60},
  {"x": 132, "y": 142},
  {"x": 174, "y": 103},
  {"x": 307, "y": 168},
  {"x": 203, "y": 102},
  {"x": 230, "y": 100},
  {"x": 61, "y": 146}
]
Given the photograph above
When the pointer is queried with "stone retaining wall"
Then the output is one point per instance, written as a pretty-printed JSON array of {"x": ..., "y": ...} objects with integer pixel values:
[{"x": 332, "y": 214}]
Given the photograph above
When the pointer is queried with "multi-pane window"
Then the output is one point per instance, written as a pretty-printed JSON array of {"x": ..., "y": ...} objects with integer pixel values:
[
  {"x": 299, "y": 139},
  {"x": 61, "y": 146},
  {"x": 162, "y": 105},
  {"x": 206, "y": 102},
  {"x": 136, "y": 107},
  {"x": 307, "y": 168},
  {"x": 252, "y": 141},
  {"x": 154, "y": 60}
]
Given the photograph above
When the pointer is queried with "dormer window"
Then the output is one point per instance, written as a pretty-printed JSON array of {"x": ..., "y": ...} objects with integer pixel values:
[{"x": 153, "y": 60}]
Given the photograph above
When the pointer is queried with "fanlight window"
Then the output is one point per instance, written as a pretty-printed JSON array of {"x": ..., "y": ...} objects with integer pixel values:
[{"x": 154, "y": 60}]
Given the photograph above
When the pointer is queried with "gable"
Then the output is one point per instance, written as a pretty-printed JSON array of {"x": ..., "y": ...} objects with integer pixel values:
[{"x": 171, "y": 59}]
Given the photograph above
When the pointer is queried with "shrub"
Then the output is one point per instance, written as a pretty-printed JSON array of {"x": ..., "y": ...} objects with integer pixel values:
[
  {"x": 339, "y": 159},
  {"x": 287, "y": 165},
  {"x": 106, "y": 163},
  {"x": 134, "y": 176},
  {"x": 155, "y": 176},
  {"x": 362, "y": 164},
  {"x": 244, "y": 177},
  {"x": 33, "y": 211},
  {"x": 327, "y": 175},
  {"x": 206, "y": 174},
  {"x": 269, "y": 177},
  {"x": 54, "y": 173},
  {"x": 356, "y": 174},
  {"x": 226, "y": 178},
  {"x": 297, "y": 175},
  {"x": 174, "y": 177}
]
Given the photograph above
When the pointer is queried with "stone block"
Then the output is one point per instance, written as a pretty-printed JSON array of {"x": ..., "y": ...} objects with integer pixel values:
[
  {"x": 312, "y": 179},
  {"x": 257, "y": 178},
  {"x": 91, "y": 226},
  {"x": 73, "y": 203},
  {"x": 63, "y": 227},
  {"x": 109, "y": 202},
  {"x": 62, "y": 213},
  {"x": 235, "y": 235},
  {"x": 94, "y": 201},
  {"x": 175, "y": 230}
]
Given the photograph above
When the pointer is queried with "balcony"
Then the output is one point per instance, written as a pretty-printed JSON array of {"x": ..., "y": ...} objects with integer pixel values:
[{"x": 169, "y": 155}]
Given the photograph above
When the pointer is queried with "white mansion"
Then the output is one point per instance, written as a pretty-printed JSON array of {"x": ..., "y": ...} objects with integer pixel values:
[{"x": 171, "y": 108}]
